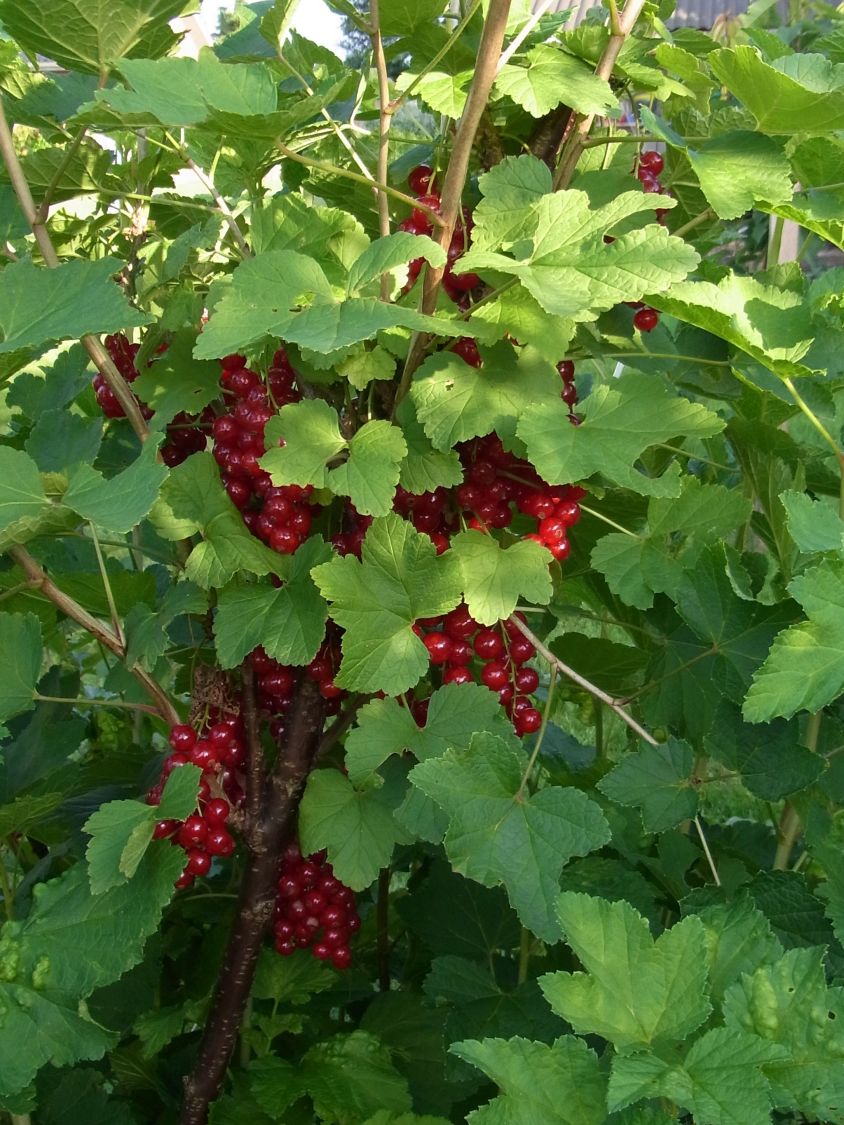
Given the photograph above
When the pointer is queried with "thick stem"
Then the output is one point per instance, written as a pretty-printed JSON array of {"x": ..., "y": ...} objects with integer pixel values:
[
  {"x": 582, "y": 123},
  {"x": 37, "y": 578},
  {"x": 489, "y": 53},
  {"x": 255, "y": 751},
  {"x": 255, "y": 907},
  {"x": 384, "y": 118},
  {"x": 790, "y": 826},
  {"x": 36, "y": 221}
]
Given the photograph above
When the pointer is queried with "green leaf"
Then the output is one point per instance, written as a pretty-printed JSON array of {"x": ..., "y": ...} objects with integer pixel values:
[
  {"x": 177, "y": 382},
  {"x": 70, "y": 944},
  {"x": 384, "y": 727},
  {"x": 656, "y": 779},
  {"x": 567, "y": 266},
  {"x": 442, "y": 92},
  {"x": 289, "y": 622},
  {"x": 193, "y": 499},
  {"x": 121, "y": 831},
  {"x": 424, "y": 468},
  {"x": 146, "y": 630},
  {"x": 720, "y": 1080},
  {"x": 773, "y": 326},
  {"x": 376, "y": 600},
  {"x": 184, "y": 91},
  {"x": 404, "y": 17},
  {"x": 557, "y": 1084},
  {"x": 788, "y": 1004},
  {"x": 620, "y": 422},
  {"x": 814, "y": 524},
  {"x": 357, "y": 827},
  {"x": 370, "y": 475},
  {"x": 20, "y": 662},
  {"x": 738, "y": 940},
  {"x": 60, "y": 440},
  {"x": 120, "y": 503},
  {"x": 495, "y": 577},
  {"x": 92, "y": 35},
  {"x": 285, "y": 294},
  {"x": 390, "y": 252},
  {"x": 795, "y": 94},
  {"x": 635, "y": 992},
  {"x": 40, "y": 306},
  {"x": 509, "y": 188},
  {"x": 455, "y": 402},
  {"x": 349, "y": 1076},
  {"x": 805, "y": 667},
  {"x": 736, "y": 170},
  {"x": 551, "y": 78},
  {"x": 769, "y": 757},
  {"x": 500, "y": 835},
  {"x": 22, "y": 498}
]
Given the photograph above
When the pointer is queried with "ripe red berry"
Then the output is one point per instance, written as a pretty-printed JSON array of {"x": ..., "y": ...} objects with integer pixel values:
[
  {"x": 457, "y": 676},
  {"x": 521, "y": 650},
  {"x": 527, "y": 680},
  {"x": 646, "y": 320},
  {"x": 653, "y": 161},
  {"x": 438, "y": 646},
  {"x": 219, "y": 842},
  {"x": 199, "y": 863},
  {"x": 459, "y": 623},
  {"x": 419, "y": 179},
  {"x": 341, "y": 958},
  {"x": 182, "y": 737},
  {"x": 193, "y": 832},
  {"x": 489, "y": 644},
  {"x": 495, "y": 675},
  {"x": 552, "y": 529},
  {"x": 467, "y": 349},
  {"x": 527, "y": 721}
]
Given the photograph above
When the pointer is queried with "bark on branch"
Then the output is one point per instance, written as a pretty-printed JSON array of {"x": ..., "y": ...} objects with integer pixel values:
[{"x": 281, "y": 798}]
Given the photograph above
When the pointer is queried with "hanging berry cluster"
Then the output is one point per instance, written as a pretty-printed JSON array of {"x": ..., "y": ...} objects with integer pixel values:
[
  {"x": 496, "y": 656},
  {"x": 281, "y": 517},
  {"x": 457, "y": 286},
  {"x": 648, "y": 169},
  {"x": 220, "y": 753},
  {"x": 313, "y": 909},
  {"x": 186, "y": 434},
  {"x": 275, "y": 682}
]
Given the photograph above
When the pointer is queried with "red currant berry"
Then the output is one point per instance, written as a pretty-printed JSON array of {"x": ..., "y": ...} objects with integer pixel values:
[
  {"x": 457, "y": 676},
  {"x": 527, "y": 721},
  {"x": 193, "y": 832},
  {"x": 527, "y": 680},
  {"x": 199, "y": 863},
  {"x": 341, "y": 958},
  {"x": 489, "y": 644},
  {"x": 420, "y": 178},
  {"x": 521, "y": 650},
  {"x": 653, "y": 161},
  {"x": 495, "y": 675},
  {"x": 438, "y": 646},
  {"x": 182, "y": 738},
  {"x": 646, "y": 320}
]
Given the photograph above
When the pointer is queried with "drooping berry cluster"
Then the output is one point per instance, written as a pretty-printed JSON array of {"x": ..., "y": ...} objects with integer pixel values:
[
  {"x": 495, "y": 483},
  {"x": 280, "y": 516},
  {"x": 314, "y": 909},
  {"x": 457, "y": 286},
  {"x": 495, "y": 655},
  {"x": 220, "y": 753},
  {"x": 186, "y": 434},
  {"x": 122, "y": 353},
  {"x": 648, "y": 169}
]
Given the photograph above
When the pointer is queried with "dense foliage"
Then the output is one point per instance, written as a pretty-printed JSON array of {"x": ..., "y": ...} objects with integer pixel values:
[{"x": 422, "y": 570}]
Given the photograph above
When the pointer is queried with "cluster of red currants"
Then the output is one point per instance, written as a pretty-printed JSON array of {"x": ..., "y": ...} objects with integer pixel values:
[
  {"x": 280, "y": 516},
  {"x": 275, "y": 682},
  {"x": 648, "y": 169},
  {"x": 494, "y": 483},
  {"x": 499, "y": 654},
  {"x": 314, "y": 909},
  {"x": 186, "y": 434},
  {"x": 220, "y": 753},
  {"x": 457, "y": 286}
]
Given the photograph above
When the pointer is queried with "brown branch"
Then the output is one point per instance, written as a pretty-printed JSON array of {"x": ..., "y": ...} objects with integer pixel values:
[
  {"x": 255, "y": 751},
  {"x": 454, "y": 181},
  {"x": 385, "y": 116},
  {"x": 37, "y": 223},
  {"x": 620, "y": 28},
  {"x": 255, "y": 906},
  {"x": 37, "y": 578}
]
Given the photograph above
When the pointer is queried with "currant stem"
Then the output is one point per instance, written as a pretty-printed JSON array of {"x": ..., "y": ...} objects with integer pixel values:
[
  {"x": 580, "y": 124},
  {"x": 384, "y": 119}
]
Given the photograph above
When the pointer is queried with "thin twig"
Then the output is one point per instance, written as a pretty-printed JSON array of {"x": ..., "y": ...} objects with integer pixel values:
[
  {"x": 109, "y": 593},
  {"x": 441, "y": 53},
  {"x": 39, "y": 580},
  {"x": 214, "y": 192},
  {"x": 92, "y": 345},
  {"x": 517, "y": 41},
  {"x": 616, "y": 707},
  {"x": 581, "y": 123},
  {"x": 454, "y": 181},
  {"x": 385, "y": 116}
]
